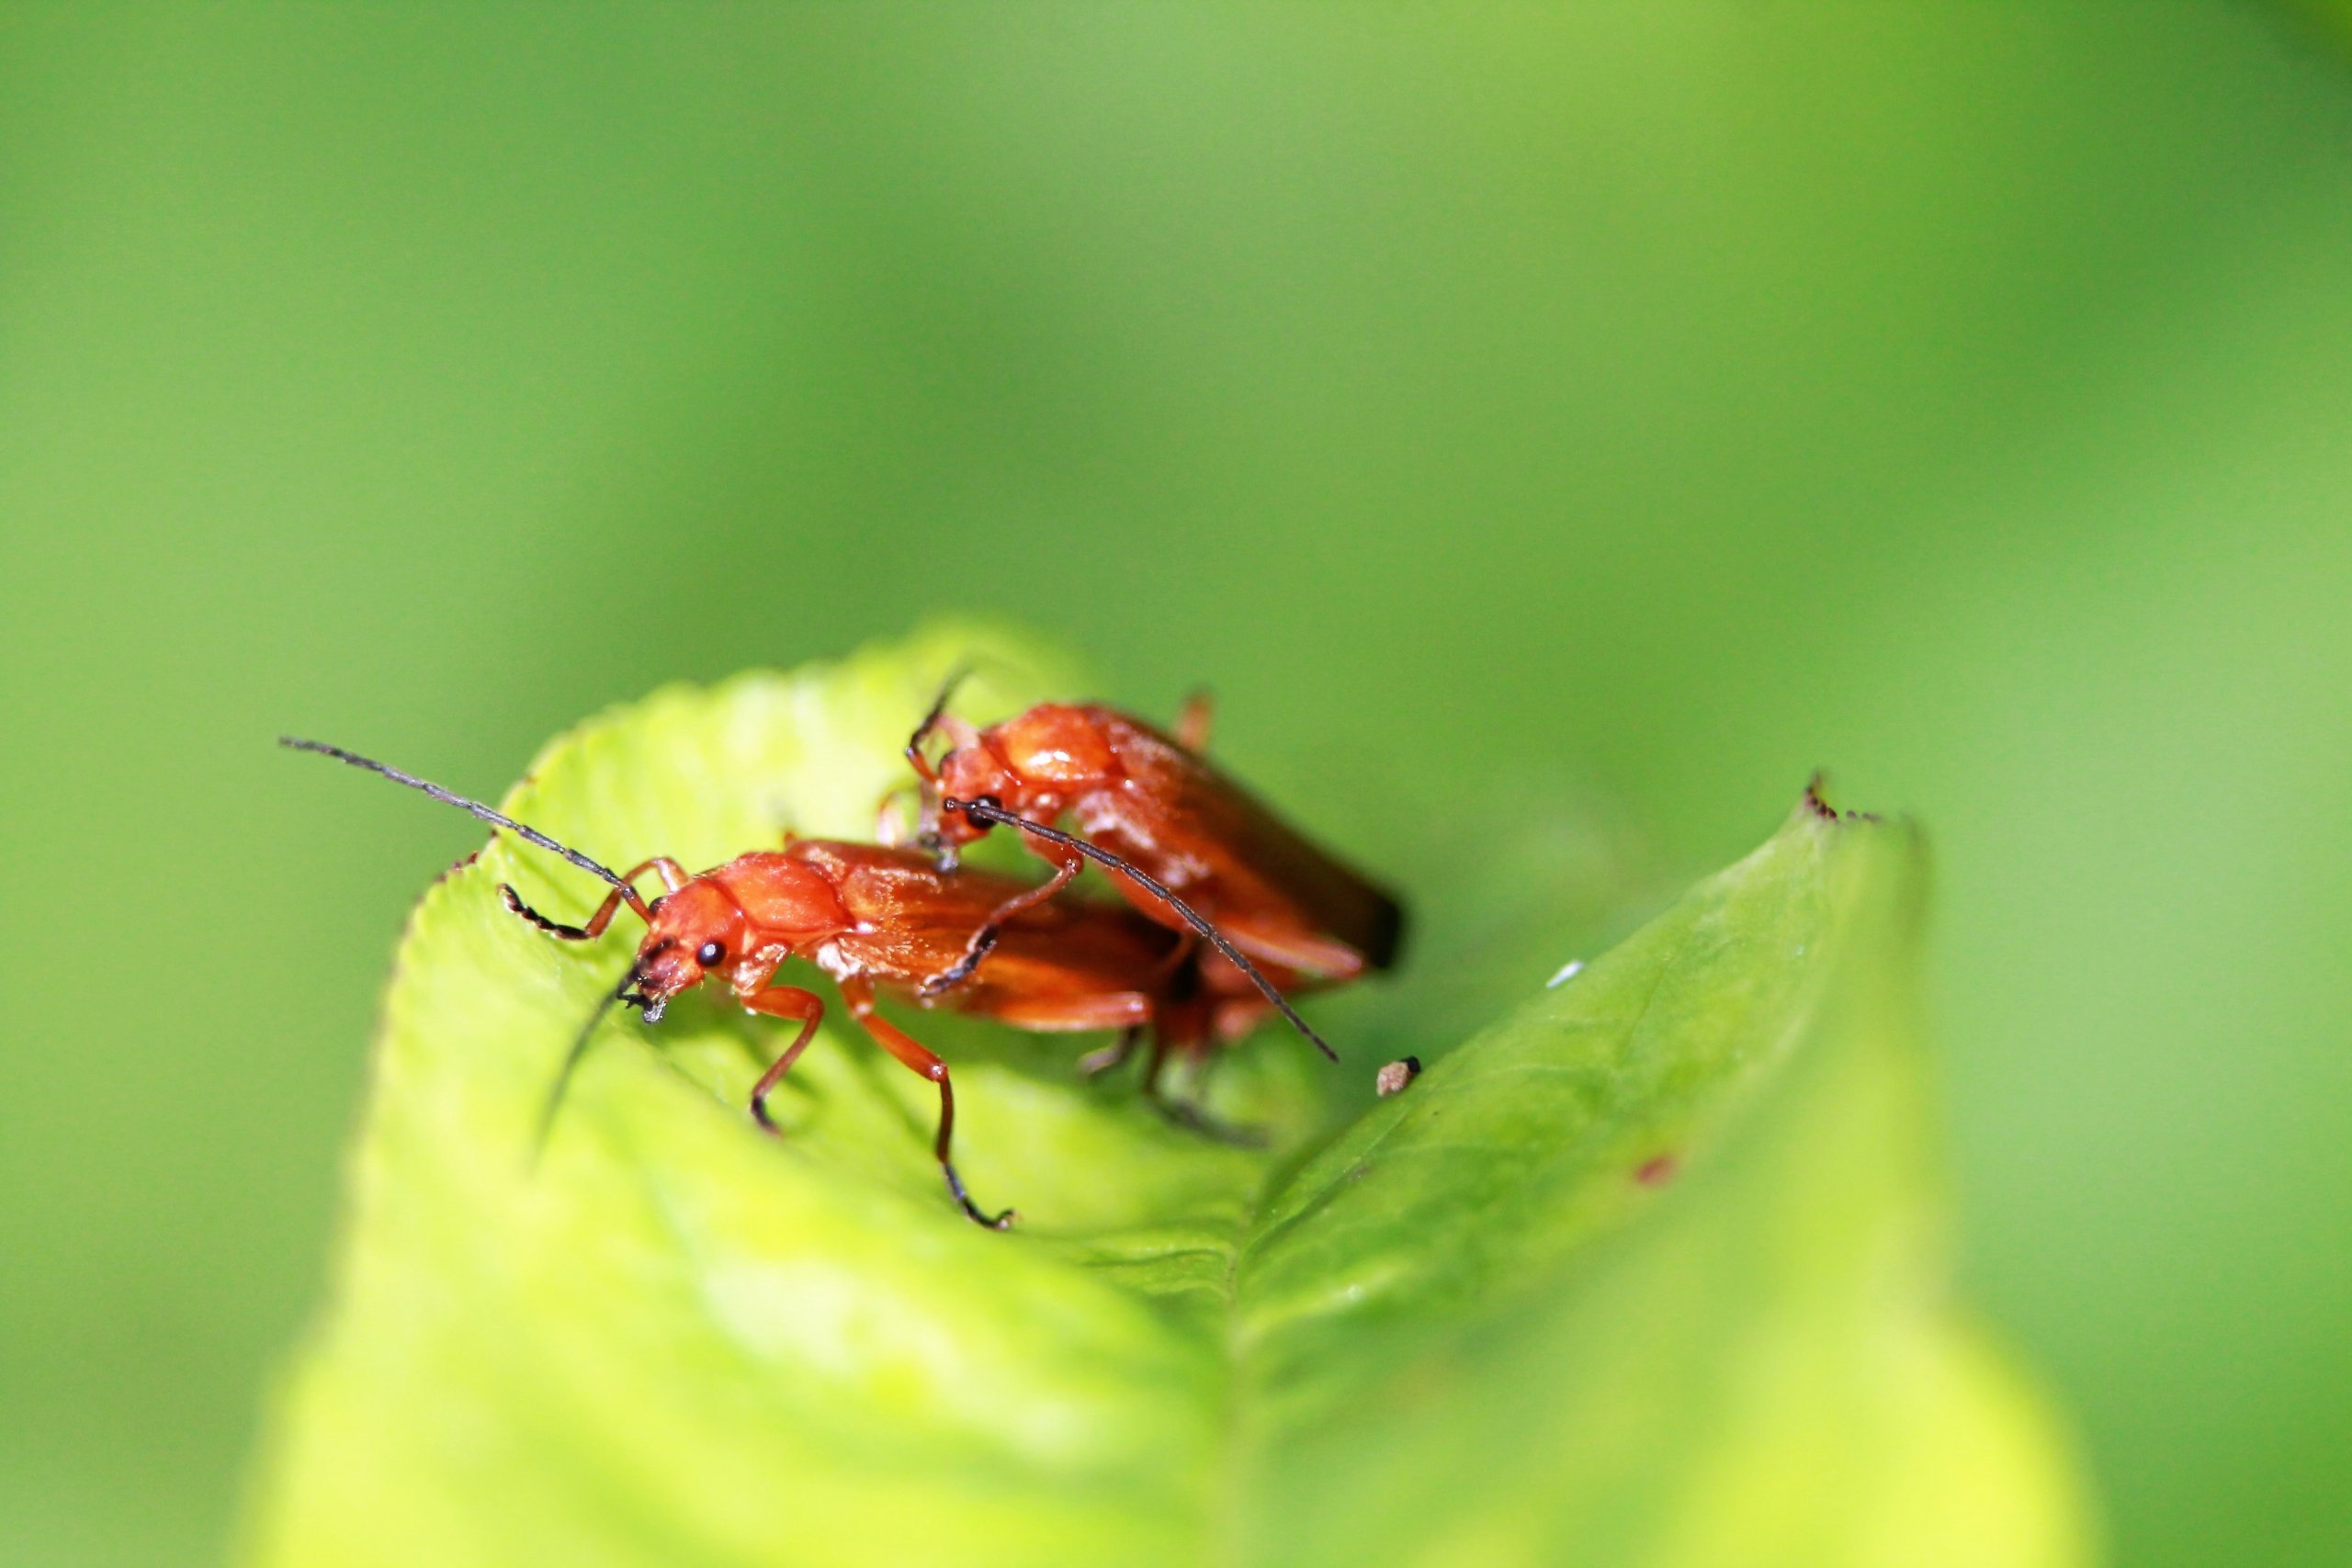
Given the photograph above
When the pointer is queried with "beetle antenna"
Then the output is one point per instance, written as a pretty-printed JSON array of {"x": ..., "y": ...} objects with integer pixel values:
[
  {"x": 989, "y": 811},
  {"x": 572, "y": 1061},
  {"x": 956, "y": 678},
  {"x": 450, "y": 797}
]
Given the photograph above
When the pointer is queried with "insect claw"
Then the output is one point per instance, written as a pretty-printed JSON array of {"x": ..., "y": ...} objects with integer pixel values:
[
  {"x": 973, "y": 1211},
  {"x": 947, "y": 979}
]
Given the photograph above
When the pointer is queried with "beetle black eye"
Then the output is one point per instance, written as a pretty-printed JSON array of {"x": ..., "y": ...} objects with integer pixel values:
[{"x": 712, "y": 953}]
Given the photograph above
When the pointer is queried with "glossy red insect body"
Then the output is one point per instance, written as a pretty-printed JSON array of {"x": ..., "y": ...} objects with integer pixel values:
[
  {"x": 1184, "y": 843},
  {"x": 872, "y": 917}
]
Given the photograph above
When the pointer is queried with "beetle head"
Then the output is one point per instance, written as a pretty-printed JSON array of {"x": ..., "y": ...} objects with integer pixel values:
[
  {"x": 968, "y": 773},
  {"x": 695, "y": 930}
]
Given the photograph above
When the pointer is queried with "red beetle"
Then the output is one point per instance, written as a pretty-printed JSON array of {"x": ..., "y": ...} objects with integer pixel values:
[
  {"x": 1183, "y": 841},
  {"x": 871, "y": 918}
]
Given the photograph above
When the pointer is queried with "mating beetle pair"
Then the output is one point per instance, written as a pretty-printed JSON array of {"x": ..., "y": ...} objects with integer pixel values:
[{"x": 1226, "y": 907}]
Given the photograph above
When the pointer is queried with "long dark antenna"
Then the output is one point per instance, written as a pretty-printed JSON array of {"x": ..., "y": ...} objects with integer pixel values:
[
  {"x": 572, "y": 1061},
  {"x": 956, "y": 678},
  {"x": 529, "y": 835},
  {"x": 989, "y": 811}
]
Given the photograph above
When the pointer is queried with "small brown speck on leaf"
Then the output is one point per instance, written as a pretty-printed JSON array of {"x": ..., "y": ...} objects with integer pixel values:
[
  {"x": 1656, "y": 1171},
  {"x": 1396, "y": 1075}
]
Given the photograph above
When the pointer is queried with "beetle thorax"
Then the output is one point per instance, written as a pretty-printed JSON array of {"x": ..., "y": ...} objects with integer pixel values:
[
  {"x": 783, "y": 897},
  {"x": 1055, "y": 748}
]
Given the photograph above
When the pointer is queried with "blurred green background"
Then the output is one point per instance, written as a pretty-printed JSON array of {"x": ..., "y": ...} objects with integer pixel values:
[{"x": 1663, "y": 399}]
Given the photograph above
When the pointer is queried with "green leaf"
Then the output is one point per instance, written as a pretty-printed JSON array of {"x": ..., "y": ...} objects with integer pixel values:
[{"x": 1649, "y": 1271}]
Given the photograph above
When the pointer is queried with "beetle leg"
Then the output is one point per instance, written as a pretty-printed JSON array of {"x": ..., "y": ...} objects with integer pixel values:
[
  {"x": 781, "y": 1001},
  {"x": 1185, "y": 943},
  {"x": 984, "y": 938},
  {"x": 1094, "y": 1064},
  {"x": 1070, "y": 1015},
  {"x": 1188, "y": 1114},
  {"x": 1326, "y": 960},
  {"x": 890, "y": 826},
  {"x": 672, "y": 874},
  {"x": 857, "y": 994},
  {"x": 1192, "y": 721}
]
